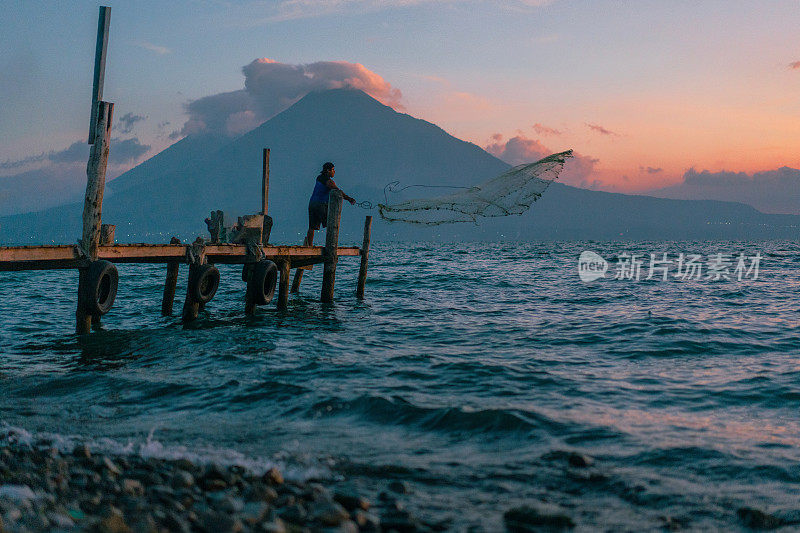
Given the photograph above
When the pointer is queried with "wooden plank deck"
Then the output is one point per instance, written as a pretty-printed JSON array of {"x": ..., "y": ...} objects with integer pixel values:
[{"x": 66, "y": 256}]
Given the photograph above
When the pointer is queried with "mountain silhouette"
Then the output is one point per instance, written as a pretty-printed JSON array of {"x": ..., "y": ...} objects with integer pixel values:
[{"x": 371, "y": 145}]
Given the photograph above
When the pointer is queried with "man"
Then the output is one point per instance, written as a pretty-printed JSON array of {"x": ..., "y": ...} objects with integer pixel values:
[{"x": 318, "y": 205}]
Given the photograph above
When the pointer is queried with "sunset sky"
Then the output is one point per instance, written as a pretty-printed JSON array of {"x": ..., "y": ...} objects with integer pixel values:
[{"x": 642, "y": 90}]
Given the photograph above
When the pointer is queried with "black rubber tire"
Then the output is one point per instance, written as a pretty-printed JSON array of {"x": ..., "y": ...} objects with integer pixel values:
[
  {"x": 102, "y": 281},
  {"x": 263, "y": 281},
  {"x": 204, "y": 283}
]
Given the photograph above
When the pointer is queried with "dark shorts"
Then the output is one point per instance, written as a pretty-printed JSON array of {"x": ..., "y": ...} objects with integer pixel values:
[{"x": 317, "y": 215}]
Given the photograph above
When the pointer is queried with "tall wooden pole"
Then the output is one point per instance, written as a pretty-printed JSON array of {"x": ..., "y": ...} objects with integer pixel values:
[
  {"x": 103, "y": 22},
  {"x": 93, "y": 206},
  {"x": 331, "y": 244},
  {"x": 362, "y": 271}
]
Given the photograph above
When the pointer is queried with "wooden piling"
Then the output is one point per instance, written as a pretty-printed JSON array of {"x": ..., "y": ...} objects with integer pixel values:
[
  {"x": 93, "y": 207},
  {"x": 362, "y": 271},
  {"x": 283, "y": 283},
  {"x": 298, "y": 274},
  {"x": 265, "y": 182},
  {"x": 197, "y": 257},
  {"x": 170, "y": 284},
  {"x": 331, "y": 244}
]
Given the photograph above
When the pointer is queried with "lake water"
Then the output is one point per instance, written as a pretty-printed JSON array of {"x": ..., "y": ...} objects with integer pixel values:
[{"x": 470, "y": 371}]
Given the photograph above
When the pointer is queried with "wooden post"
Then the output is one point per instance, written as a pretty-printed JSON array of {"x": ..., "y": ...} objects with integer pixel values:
[
  {"x": 362, "y": 272},
  {"x": 93, "y": 206},
  {"x": 170, "y": 284},
  {"x": 107, "y": 233},
  {"x": 331, "y": 244},
  {"x": 298, "y": 274},
  {"x": 191, "y": 308},
  {"x": 103, "y": 22},
  {"x": 265, "y": 182},
  {"x": 283, "y": 283}
]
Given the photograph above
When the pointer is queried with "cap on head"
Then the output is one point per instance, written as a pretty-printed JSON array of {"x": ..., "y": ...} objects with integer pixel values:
[{"x": 327, "y": 166}]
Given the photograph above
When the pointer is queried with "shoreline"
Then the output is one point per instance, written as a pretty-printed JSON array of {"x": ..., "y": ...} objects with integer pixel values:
[{"x": 43, "y": 488}]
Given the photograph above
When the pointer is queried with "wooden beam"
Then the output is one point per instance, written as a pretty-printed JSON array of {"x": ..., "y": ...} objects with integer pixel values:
[
  {"x": 66, "y": 256},
  {"x": 331, "y": 244},
  {"x": 103, "y": 22},
  {"x": 362, "y": 272}
]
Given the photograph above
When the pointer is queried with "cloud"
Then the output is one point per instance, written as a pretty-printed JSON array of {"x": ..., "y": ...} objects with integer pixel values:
[
  {"x": 772, "y": 191},
  {"x": 128, "y": 120},
  {"x": 271, "y": 86},
  {"x": 517, "y": 150},
  {"x": 126, "y": 151},
  {"x": 795, "y": 65},
  {"x": 156, "y": 49},
  {"x": 57, "y": 177},
  {"x": 651, "y": 170},
  {"x": 544, "y": 130},
  {"x": 601, "y": 130}
]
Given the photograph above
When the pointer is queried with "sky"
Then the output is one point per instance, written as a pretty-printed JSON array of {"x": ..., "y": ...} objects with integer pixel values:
[{"x": 646, "y": 92}]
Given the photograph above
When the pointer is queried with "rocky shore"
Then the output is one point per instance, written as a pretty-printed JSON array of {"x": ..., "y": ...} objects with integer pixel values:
[{"x": 43, "y": 488}]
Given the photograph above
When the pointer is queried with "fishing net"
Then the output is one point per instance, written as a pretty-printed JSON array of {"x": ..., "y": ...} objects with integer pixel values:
[{"x": 510, "y": 193}]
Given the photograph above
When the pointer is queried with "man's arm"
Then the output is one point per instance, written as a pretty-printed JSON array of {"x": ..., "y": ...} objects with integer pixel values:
[{"x": 332, "y": 185}]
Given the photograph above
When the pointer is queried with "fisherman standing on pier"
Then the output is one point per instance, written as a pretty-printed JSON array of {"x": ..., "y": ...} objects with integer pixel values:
[{"x": 318, "y": 204}]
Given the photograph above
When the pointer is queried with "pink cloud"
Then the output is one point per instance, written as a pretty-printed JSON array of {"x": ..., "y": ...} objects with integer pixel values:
[
  {"x": 544, "y": 130},
  {"x": 795, "y": 65},
  {"x": 517, "y": 150},
  {"x": 601, "y": 130}
]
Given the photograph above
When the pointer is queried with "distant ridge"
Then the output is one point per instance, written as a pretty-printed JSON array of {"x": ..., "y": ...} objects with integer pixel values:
[{"x": 371, "y": 145}]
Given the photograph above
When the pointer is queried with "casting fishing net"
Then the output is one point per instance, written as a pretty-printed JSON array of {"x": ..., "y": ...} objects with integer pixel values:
[{"x": 510, "y": 193}]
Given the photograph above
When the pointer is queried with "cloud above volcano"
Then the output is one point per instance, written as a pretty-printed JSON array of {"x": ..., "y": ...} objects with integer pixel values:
[{"x": 271, "y": 86}]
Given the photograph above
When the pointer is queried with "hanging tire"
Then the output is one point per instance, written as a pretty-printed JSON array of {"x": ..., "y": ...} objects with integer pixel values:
[
  {"x": 262, "y": 282},
  {"x": 203, "y": 283},
  {"x": 101, "y": 287}
]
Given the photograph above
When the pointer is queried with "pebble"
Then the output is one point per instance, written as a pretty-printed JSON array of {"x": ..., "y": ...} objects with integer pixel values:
[
  {"x": 400, "y": 520},
  {"x": 535, "y": 517},
  {"x": 274, "y": 476},
  {"x": 400, "y": 487},
  {"x": 328, "y": 513},
  {"x": 182, "y": 479},
  {"x": 109, "y": 464},
  {"x": 82, "y": 451},
  {"x": 133, "y": 487},
  {"x": 756, "y": 519},
  {"x": 351, "y": 500}
]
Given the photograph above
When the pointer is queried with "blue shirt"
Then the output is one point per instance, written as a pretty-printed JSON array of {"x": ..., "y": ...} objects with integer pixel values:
[{"x": 321, "y": 190}]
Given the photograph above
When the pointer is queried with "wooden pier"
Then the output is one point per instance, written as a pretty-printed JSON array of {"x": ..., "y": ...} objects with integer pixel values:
[{"x": 266, "y": 267}]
